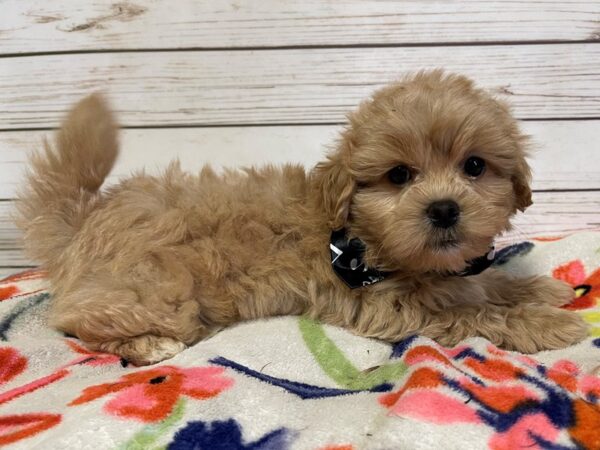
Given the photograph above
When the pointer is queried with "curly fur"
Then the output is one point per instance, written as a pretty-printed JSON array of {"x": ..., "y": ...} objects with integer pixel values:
[{"x": 154, "y": 263}]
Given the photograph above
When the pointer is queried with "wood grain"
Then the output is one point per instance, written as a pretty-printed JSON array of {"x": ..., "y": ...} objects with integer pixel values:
[
  {"x": 287, "y": 86},
  {"x": 72, "y": 25},
  {"x": 565, "y": 153},
  {"x": 553, "y": 214},
  {"x": 556, "y": 214}
]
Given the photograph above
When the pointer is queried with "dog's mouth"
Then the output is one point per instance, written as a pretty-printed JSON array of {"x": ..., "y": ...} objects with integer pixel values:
[
  {"x": 442, "y": 243},
  {"x": 447, "y": 243},
  {"x": 446, "y": 247}
]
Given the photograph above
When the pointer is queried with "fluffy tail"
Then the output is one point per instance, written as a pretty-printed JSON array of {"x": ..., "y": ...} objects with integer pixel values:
[{"x": 64, "y": 179}]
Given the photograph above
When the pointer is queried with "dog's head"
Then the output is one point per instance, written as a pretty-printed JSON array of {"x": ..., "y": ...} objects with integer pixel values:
[{"x": 427, "y": 172}]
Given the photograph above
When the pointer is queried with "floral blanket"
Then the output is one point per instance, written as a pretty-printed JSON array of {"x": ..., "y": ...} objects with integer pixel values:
[{"x": 292, "y": 383}]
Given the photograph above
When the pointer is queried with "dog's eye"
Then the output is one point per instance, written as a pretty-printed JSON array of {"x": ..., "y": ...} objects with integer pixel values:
[
  {"x": 474, "y": 166},
  {"x": 399, "y": 175}
]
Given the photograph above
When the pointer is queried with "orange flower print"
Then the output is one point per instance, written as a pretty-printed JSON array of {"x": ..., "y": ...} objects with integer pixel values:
[
  {"x": 20, "y": 426},
  {"x": 90, "y": 358},
  {"x": 7, "y": 292},
  {"x": 12, "y": 363},
  {"x": 16, "y": 427},
  {"x": 587, "y": 289},
  {"x": 525, "y": 404},
  {"x": 150, "y": 395}
]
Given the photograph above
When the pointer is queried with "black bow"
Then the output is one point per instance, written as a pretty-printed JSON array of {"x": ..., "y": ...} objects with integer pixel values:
[{"x": 347, "y": 262}]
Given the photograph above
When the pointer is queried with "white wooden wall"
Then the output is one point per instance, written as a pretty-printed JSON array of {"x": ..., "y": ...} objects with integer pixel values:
[{"x": 239, "y": 82}]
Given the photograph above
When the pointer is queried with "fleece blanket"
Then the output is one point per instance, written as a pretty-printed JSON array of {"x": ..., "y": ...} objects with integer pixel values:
[{"x": 291, "y": 383}]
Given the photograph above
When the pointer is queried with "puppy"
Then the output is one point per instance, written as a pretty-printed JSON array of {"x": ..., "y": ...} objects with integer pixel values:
[{"x": 377, "y": 238}]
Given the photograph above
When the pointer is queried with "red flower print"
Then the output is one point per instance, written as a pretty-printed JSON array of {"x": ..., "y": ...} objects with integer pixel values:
[
  {"x": 522, "y": 434},
  {"x": 150, "y": 395},
  {"x": 16, "y": 427},
  {"x": 7, "y": 292},
  {"x": 500, "y": 398},
  {"x": 548, "y": 238},
  {"x": 587, "y": 290},
  {"x": 493, "y": 369},
  {"x": 90, "y": 358},
  {"x": 12, "y": 363},
  {"x": 586, "y": 424},
  {"x": 569, "y": 376},
  {"x": 524, "y": 404},
  {"x": 422, "y": 378},
  {"x": 33, "y": 386},
  {"x": 33, "y": 274},
  {"x": 338, "y": 447}
]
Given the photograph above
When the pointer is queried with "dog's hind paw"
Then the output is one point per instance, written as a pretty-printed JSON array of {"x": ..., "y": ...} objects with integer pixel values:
[{"x": 147, "y": 349}]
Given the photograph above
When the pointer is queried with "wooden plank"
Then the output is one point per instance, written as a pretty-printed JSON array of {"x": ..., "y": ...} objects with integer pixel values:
[
  {"x": 9, "y": 235},
  {"x": 287, "y": 86},
  {"x": 73, "y": 25},
  {"x": 553, "y": 214},
  {"x": 564, "y": 151},
  {"x": 565, "y": 154},
  {"x": 556, "y": 214},
  {"x": 14, "y": 258}
]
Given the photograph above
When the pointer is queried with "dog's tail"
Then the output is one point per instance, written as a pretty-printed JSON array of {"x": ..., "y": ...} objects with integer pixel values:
[{"x": 62, "y": 184}]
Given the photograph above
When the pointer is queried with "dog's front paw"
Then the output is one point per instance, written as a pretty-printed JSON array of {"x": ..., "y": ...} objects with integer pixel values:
[
  {"x": 550, "y": 291},
  {"x": 542, "y": 327}
]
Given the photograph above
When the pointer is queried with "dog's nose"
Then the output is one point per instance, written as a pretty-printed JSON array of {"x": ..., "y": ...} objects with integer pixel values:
[{"x": 443, "y": 213}]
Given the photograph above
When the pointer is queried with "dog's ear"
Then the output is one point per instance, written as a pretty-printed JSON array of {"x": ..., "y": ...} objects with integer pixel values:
[
  {"x": 521, "y": 174},
  {"x": 336, "y": 185},
  {"x": 521, "y": 180}
]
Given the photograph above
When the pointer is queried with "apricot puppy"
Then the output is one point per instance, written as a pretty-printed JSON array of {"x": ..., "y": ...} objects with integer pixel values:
[{"x": 377, "y": 238}]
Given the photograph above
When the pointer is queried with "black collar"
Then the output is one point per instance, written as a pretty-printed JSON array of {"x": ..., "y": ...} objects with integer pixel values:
[
  {"x": 479, "y": 264},
  {"x": 348, "y": 263}
]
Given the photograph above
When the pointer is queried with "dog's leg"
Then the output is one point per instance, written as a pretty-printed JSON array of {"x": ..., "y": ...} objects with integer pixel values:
[
  {"x": 527, "y": 327},
  {"x": 505, "y": 289},
  {"x": 144, "y": 350},
  {"x": 117, "y": 321}
]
